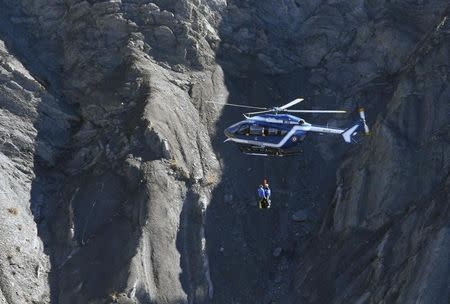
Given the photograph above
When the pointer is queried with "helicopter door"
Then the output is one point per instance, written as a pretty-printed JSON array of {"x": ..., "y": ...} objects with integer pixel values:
[
  {"x": 273, "y": 132},
  {"x": 256, "y": 132},
  {"x": 274, "y": 135}
]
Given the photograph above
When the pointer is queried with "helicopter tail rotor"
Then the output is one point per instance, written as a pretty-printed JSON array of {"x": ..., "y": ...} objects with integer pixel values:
[
  {"x": 350, "y": 134},
  {"x": 363, "y": 118}
]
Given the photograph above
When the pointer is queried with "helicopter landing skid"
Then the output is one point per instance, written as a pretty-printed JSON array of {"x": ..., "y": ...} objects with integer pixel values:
[{"x": 265, "y": 151}]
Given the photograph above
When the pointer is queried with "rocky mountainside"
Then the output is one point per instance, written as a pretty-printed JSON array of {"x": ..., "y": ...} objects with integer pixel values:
[{"x": 116, "y": 186}]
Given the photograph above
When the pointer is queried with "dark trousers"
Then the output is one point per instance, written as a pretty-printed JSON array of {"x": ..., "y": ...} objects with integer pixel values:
[{"x": 264, "y": 203}]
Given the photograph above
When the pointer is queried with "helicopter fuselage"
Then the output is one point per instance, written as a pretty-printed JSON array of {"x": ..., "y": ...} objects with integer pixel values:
[
  {"x": 280, "y": 133},
  {"x": 269, "y": 134}
]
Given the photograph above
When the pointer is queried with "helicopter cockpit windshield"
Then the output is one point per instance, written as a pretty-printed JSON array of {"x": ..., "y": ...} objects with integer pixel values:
[{"x": 244, "y": 129}]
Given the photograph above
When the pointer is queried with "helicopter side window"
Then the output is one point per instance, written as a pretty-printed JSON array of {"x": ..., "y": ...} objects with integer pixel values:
[
  {"x": 256, "y": 130},
  {"x": 244, "y": 130},
  {"x": 273, "y": 132},
  {"x": 282, "y": 132}
]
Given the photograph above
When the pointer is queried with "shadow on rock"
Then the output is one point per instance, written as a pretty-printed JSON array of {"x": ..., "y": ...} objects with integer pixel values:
[{"x": 251, "y": 250}]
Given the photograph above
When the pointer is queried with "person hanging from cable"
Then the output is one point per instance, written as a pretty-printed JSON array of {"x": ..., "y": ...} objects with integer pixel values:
[
  {"x": 267, "y": 193},
  {"x": 264, "y": 195}
]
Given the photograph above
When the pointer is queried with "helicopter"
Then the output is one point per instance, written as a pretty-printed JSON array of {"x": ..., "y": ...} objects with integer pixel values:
[{"x": 275, "y": 132}]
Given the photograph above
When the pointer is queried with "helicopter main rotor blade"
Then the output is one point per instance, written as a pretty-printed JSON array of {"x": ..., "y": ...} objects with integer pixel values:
[
  {"x": 259, "y": 112},
  {"x": 315, "y": 111},
  {"x": 235, "y": 105},
  {"x": 290, "y": 104}
]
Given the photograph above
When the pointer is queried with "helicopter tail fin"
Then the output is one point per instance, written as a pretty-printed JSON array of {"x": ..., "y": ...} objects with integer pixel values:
[{"x": 349, "y": 134}]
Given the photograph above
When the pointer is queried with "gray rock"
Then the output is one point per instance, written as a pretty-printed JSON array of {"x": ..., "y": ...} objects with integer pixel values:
[
  {"x": 277, "y": 251},
  {"x": 300, "y": 216},
  {"x": 228, "y": 198},
  {"x": 163, "y": 17},
  {"x": 133, "y": 171},
  {"x": 24, "y": 266},
  {"x": 164, "y": 37}
]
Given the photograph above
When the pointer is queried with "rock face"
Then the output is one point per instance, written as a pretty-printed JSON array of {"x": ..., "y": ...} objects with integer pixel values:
[
  {"x": 108, "y": 134},
  {"x": 22, "y": 261},
  {"x": 116, "y": 187},
  {"x": 388, "y": 212}
]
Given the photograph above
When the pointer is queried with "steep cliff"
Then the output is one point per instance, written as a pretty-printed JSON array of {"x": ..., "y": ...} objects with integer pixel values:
[
  {"x": 119, "y": 187},
  {"x": 116, "y": 185}
]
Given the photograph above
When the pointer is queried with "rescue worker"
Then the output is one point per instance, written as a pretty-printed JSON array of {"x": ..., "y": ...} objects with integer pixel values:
[
  {"x": 267, "y": 193},
  {"x": 262, "y": 197}
]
